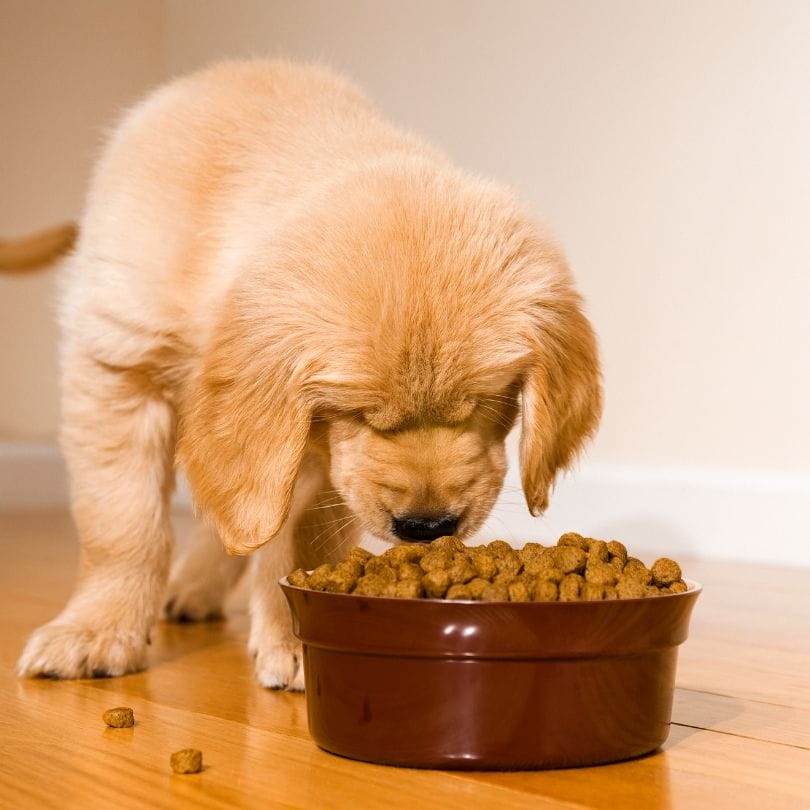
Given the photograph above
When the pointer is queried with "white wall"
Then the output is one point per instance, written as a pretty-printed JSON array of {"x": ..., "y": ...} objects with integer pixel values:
[
  {"x": 66, "y": 68},
  {"x": 666, "y": 144}
]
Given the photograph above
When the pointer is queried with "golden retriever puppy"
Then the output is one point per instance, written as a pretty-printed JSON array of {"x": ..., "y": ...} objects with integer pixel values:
[{"x": 325, "y": 324}]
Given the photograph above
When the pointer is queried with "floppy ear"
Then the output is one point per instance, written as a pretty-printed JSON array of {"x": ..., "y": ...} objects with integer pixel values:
[
  {"x": 242, "y": 433},
  {"x": 561, "y": 398}
]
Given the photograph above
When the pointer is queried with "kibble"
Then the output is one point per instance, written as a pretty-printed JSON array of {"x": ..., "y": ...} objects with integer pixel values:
[
  {"x": 409, "y": 570},
  {"x": 408, "y": 589},
  {"x": 636, "y": 569},
  {"x": 120, "y": 717},
  {"x": 600, "y": 573},
  {"x": 571, "y": 559},
  {"x": 546, "y": 591},
  {"x": 461, "y": 570},
  {"x": 617, "y": 550},
  {"x": 436, "y": 583},
  {"x": 518, "y": 592},
  {"x": 592, "y": 591},
  {"x": 577, "y": 568},
  {"x": 665, "y": 572},
  {"x": 483, "y": 560},
  {"x": 570, "y": 587},
  {"x": 573, "y": 539},
  {"x": 598, "y": 551},
  {"x": 458, "y": 591},
  {"x": 629, "y": 587},
  {"x": 189, "y": 760},
  {"x": 477, "y": 587}
]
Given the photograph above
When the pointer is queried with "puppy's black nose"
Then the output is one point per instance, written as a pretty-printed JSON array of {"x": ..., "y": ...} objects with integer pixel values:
[{"x": 424, "y": 528}]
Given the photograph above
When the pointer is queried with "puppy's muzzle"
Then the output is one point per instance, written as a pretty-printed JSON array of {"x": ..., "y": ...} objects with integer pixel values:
[{"x": 424, "y": 528}]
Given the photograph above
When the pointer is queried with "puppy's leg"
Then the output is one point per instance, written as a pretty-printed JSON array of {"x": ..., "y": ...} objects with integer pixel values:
[
  {"x": 272, "y": 643},
  {"x": 202, "y": 577},
  {"x": 318, "y": 528},
  {"x": 118, "y": 441}
]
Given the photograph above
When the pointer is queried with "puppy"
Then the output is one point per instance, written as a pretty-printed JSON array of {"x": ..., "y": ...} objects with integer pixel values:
[{"x": 325, "y": 324}]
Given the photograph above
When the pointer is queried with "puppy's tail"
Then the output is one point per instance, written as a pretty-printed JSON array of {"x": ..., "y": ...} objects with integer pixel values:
[{"x": 38, "y": 249}]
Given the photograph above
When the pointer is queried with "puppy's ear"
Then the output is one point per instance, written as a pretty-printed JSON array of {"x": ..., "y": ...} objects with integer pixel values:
[
  {"x": 561, "y": 397},
  {"x": 242, "y": 434}
]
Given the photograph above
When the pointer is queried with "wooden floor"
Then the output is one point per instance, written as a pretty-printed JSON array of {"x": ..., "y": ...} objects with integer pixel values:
[{"x": 740, "y": 735}]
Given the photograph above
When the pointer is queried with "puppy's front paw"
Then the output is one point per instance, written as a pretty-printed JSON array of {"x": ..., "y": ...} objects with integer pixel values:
[
  {"x": 279, "y": 666},
  {"x": 65, "y": 650}
]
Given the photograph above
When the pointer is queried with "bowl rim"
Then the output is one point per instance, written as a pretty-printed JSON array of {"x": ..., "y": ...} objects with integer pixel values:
[{"x": 692, "y": 587}]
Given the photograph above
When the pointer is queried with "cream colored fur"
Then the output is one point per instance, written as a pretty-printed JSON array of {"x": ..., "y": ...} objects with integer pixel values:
[{"x": 323, "y": 321}]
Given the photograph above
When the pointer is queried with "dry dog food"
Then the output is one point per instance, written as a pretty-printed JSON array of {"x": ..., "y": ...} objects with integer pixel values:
[
  {"x": 577, "y": 568},
  {"x": 189, "y": 760},
  {"x": 121, "y": 717}
]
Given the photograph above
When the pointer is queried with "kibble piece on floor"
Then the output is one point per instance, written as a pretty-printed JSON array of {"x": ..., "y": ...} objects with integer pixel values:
[
  {"x": 189, "y": 760},
  {"x": 121, "y": 717}
]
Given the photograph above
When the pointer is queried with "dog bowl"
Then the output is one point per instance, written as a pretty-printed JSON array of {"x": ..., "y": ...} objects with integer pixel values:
[{"x": 489, "y": 685}]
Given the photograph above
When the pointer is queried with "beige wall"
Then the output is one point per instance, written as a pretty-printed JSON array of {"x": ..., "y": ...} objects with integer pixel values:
[
  {"x": 665, "y": 143},
  {"x": 66, "y": 67}
]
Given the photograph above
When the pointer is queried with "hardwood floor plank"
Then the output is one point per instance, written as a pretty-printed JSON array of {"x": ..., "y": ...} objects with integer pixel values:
[
  {"x": 695, "y": 769},
  {"x": 768, "y": 722},
  {"x": 745, "y": 671},
  {"x": 57, "y": 736}
]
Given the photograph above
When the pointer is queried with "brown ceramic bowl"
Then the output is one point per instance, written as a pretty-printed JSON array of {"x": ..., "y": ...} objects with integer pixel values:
[{"x": 489, "y": 685}]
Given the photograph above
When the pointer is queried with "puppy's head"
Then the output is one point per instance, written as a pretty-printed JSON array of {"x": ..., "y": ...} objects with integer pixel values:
[
  {"x": 417, "y": 479},
  {"x": 398, "y": 328}
]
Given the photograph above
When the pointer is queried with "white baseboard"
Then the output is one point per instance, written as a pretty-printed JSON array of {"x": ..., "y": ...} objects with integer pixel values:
[
  {"x": 713, "y": 514},
  {"x": 32, "y": 476},
  {"x": 756, "y": 517}
]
